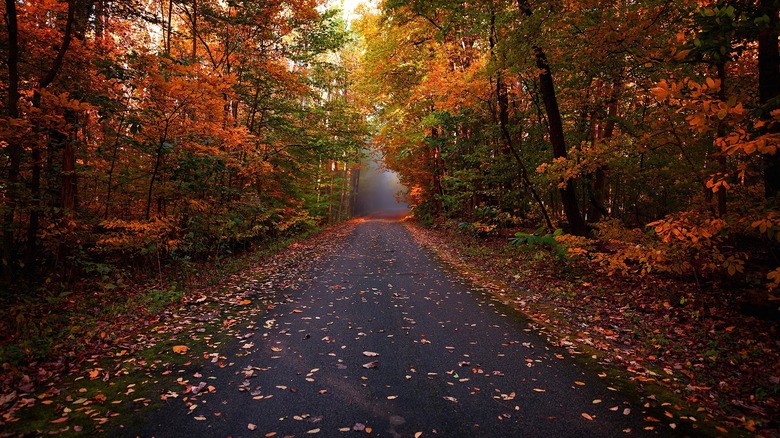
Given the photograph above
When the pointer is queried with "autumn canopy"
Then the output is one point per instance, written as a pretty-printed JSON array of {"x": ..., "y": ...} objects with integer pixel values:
[{"x": 139, "y": 134}]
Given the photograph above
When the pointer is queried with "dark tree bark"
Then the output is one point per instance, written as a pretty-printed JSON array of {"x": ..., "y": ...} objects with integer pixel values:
[
  {"x": 547, "y": 88},
  {"x": 37, "y": 155},
  {"x": 769, "y": 87},
  {"x": 437, "y": 169},
  {"x": 502, "y": 96},
  {"x": 597, "y": 193},
  {"x": 721, "y": 133},
  {"x": 13, "y": 149}
]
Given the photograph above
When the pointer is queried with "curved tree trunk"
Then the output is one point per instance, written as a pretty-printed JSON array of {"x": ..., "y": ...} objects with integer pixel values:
[{"x": 557, "y": 140}]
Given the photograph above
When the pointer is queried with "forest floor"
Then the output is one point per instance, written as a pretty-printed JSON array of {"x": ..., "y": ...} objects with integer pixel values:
[
  {"x": 688, "y": 340},
  {"x": 698, "y": 351}
]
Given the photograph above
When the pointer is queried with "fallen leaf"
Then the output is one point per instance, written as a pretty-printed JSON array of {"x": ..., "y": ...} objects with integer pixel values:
[
  {"x": 372, "y": 364},
  {"x": 587, "y": 416},
  {"x": 417, "y": 434},
  {"x": 251, "y": 426},
  {"x": 313, "y": 431},
  {"x": 370, "y": 354},
  {"x": 180, "y": 349},
  {"x": 539, "y": 390},
  {"x": 359, "y": 427}
]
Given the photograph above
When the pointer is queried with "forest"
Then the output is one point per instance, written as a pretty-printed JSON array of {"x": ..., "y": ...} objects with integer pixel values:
[
  {"x": 137, "y": 135},
  {"x": 613, "y": 163},
  {"x": 647, "y": 132}
]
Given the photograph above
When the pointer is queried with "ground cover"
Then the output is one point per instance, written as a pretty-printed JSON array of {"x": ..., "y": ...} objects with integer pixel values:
[{"x": 687, "y": 340}]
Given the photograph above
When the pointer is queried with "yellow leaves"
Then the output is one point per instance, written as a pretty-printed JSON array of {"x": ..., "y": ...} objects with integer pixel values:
[
  {"x": 135, "y": 235},
  {"x": 180, "y": 349}
]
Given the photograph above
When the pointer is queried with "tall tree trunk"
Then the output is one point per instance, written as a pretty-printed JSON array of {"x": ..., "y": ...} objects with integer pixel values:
[
  {"x": 169, "y": 28},
  {"x": 13, "y": 148},
  {"x": 114, "y": 156},
  {"x": 437, "y": 187},
  {"x": 769, "y": 87},
  {"x": 557, "y": 140},
  {"x": 330, "y": 190},
  {"x": 502, "y": 96},
  {"x": 194, "y": 29},
  {"x": 37, "y": 156},
  {"x": 597, "y": 191},
  {"x": 69, "y": 183},
  {"x": 503, "y": 120},
  {"x": 721, "y": 133},
  {"x": 157, "y": 163},
  {"x": 344, "y": 199}
]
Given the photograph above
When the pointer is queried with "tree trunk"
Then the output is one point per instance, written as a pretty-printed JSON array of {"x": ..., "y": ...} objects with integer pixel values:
[
  {"x": 169, "y": 29},
  {"x": 503, "y": 120},
  {"x": 157, "y": 163},
  {"x": 721, "y": 133},
  {"x": 597, "y": 191},
  {"x": 69, "y": 183},
  {"x": 13, "y": 148},
  {"x": 37, "y": 157},
  {"x": 502, "y": 96},
  {"x": 437, "y": 187},
  {"x": 557, "y": 140},
  {"x": 769, "y": 87},
  {"x": 194, "y": 29}
]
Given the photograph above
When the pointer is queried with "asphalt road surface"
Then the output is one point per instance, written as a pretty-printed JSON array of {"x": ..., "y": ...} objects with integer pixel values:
[{"x": 381, "y": 338}]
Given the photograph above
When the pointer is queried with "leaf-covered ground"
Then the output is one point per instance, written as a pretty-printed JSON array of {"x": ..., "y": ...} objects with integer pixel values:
[
  {"x": 707, "y": 355},
  {"x": 688, "y": 339},
  {"x": 122, "y": 366}
]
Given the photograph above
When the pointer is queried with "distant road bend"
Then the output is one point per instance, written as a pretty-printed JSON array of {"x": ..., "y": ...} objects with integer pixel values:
[{"x": 381, "y": 338}]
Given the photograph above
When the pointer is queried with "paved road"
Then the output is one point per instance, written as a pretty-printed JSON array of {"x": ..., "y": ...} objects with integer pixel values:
[{"x": 449, "y": 362}]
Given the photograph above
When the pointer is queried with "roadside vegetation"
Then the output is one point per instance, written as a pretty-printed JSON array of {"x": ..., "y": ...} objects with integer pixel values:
[{"x": 688, "y": 347}]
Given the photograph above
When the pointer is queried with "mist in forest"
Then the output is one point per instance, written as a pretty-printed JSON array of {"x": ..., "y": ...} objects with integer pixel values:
[{"x": 379, "y": 191}]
